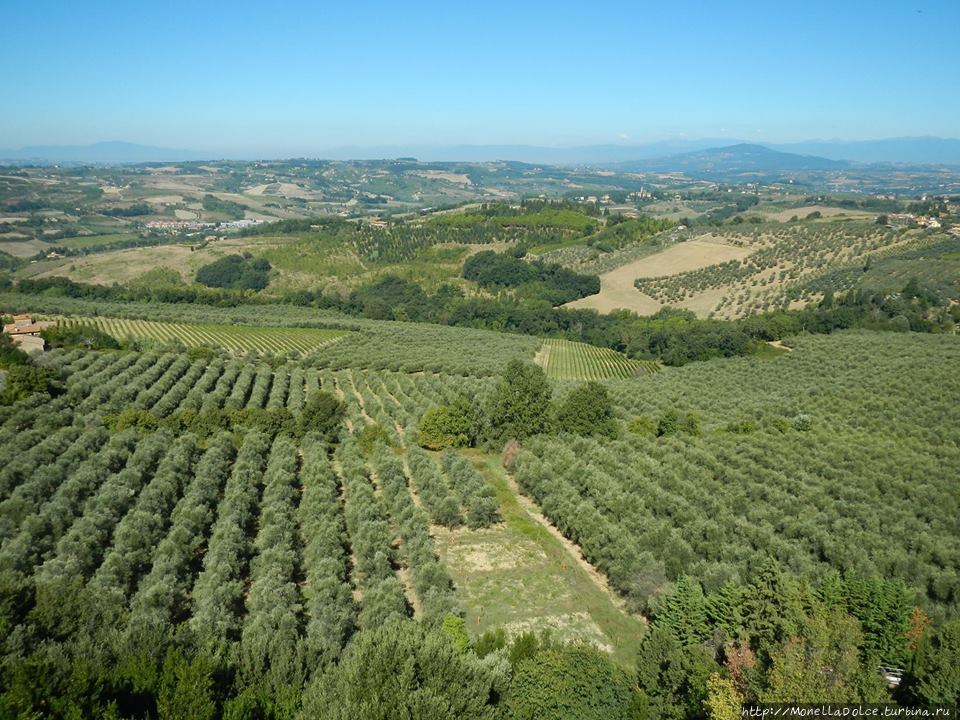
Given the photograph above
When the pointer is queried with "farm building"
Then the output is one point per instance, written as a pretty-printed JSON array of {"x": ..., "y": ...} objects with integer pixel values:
[{"x": 26, "y": 333}]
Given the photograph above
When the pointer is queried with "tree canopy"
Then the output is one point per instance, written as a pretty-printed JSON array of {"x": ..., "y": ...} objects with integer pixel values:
[{"x": 235, "y": 272}]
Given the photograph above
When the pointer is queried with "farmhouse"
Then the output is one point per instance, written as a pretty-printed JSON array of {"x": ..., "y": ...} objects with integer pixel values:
[{"x": 26, "y": 333}]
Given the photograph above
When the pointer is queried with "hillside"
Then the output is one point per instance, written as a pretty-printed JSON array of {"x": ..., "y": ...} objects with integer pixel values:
[
  {"x": 734, "y": 160},
  {"x": 507, "y": 551},
  {"x": 261, "y": 461}
]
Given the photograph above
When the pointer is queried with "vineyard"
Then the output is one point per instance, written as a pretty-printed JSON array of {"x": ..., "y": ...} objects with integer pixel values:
[
  {"x": 379, "y": 345},
  {"x": 233, "y": 338},
  {"x": 567, "y": 360}
]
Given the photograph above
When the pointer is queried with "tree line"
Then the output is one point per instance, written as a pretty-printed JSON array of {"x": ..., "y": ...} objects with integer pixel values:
[{"x": 674, "y": 337}]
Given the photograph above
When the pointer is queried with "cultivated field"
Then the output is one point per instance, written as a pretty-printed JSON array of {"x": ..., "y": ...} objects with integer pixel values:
[
  {"x": 733, "y": 272},
  {"x": 796, "y": 465},
  {"x": 134, "y": 490},
  {"x": 824, "y": 210},
  {"x": 811, "y": 457},
  {"x": 780, "y": 265},
  {"x": 110, "y": 510},
  {"x": 380, "y": 345},
  {"x": 123, "y": 266},
  {"x": 567, "y": 360},
  {"x": 617, "y": 288},
  {"x": 233, "y": 338}
]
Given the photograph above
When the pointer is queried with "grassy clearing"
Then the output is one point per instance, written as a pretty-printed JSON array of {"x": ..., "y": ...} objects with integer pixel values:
[
  {"x": 90, "y": 241},
  {"x": 518, "y": 576},
  {"x": 233, "y": 338}
]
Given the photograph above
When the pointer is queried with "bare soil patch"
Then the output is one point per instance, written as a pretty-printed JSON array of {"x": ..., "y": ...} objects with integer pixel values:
[{"x": 440, "y": 175}]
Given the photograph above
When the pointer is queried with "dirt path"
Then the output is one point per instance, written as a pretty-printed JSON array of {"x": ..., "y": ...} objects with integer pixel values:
[
  {"x": 341, "y": 496},
  {"x": 359, "y": 398},
  {"x": 406, "y": 579},
  {"x": 542, "y": 356},
  {"x": 402, "y": 572},
  {"x": 598, "y": 578},
  {"x": 521, "y": 575}
]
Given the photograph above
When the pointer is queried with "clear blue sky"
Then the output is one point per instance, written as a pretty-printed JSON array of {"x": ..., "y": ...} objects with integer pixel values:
[{"x": 293, "y": 78}]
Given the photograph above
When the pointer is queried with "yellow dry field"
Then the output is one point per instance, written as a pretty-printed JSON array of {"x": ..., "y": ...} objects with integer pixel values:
[
  {"x": 618, "y": 292},
  {"x": 802, "y": 212},
  {"x": 165, "y": 199},
  {"x": 440, "y": 175},
  {"x": 22, "y": 249},
  {"x": 289, "y": 190},
  {"x": 123, "y": 266}
]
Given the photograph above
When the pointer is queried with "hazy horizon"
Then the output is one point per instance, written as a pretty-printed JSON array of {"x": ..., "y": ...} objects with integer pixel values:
[{"x": 241, "y": 80}]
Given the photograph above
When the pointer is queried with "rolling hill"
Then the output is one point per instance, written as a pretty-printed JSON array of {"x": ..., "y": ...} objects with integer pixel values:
[{"x": 732, "y": 159}]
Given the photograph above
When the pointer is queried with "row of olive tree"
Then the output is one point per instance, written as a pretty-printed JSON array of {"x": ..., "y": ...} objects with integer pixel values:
[
  {"x": 271, "y": 667},
  {"x": 80, "y": 550},
  {"x": 144, "y": 526},
  {"x": 475, "y": 493},
  {"x": 219, "y": 588},
  {"x": 431, "y": 583},
  {"x": 40, "y": 532},
  {"x": 330, "y": 609},
  {"x": 371, "y": 540},
  {"x": 162, "y": 596}
]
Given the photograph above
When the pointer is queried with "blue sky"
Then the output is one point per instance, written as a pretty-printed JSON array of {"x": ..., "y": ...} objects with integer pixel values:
[{"x": 294, "y": 78}]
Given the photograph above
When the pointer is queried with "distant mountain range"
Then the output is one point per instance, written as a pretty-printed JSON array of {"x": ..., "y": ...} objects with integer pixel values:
[
  {"x": 734, "y": 159},
  {"x": 816, "y": 154},
  {"x": 107, "y": 153},
  {"x": 912, "y": 150}
]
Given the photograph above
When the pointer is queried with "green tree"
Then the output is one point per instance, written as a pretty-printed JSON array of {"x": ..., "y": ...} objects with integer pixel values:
[
  {"x": 724, "y": 701},
  {"x": 935, "y": 677},
  {"x": 587, "y": 410},
  {"x": 822, "y": 664},
  {"x": 672, "y": 678},
  {"x": 445, "y": 426},
  {"x": 672, "y": 422},
  {"x": 10, "y": 354},
  {"x": 455, "y": 628},
  {"x": 774, "y": 607},
  {"x": 883, "y": 608},
  {"x": 186, "y": 687},
  {"x": 404, "y": 671},
  {"x": 89, "y": 337},
  {"x": 520, "y": 403},
  {"x": 24, "y": 380},
  {"x": 576, "y": 681},
  {"x": 683, "y": 612},
  {"x": 322, "y": 414}
]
